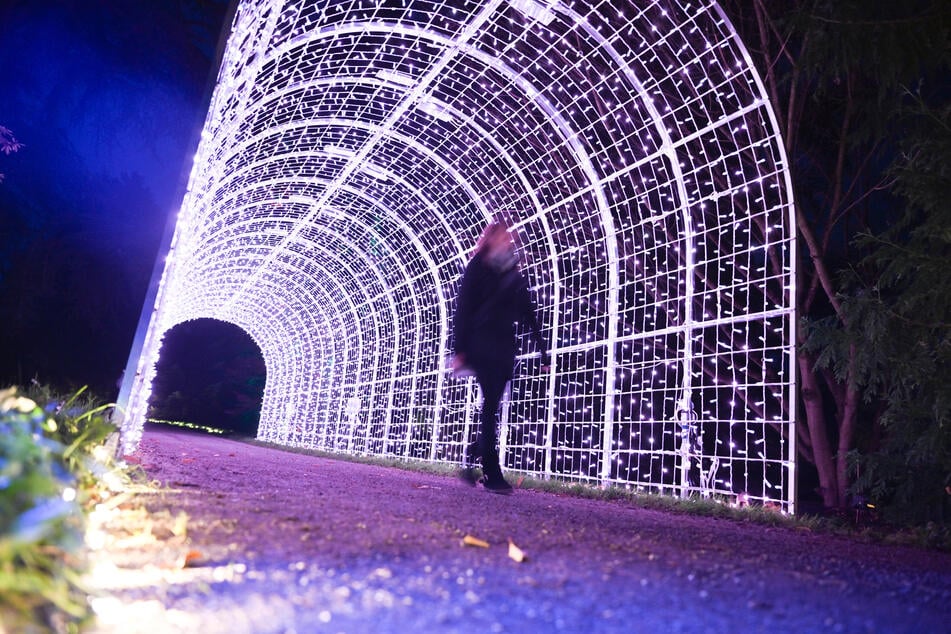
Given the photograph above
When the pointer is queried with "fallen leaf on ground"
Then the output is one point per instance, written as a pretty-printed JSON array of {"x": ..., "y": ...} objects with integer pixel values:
[
  {"x": 515, "y": 552},
  {"x": 193, "y": 559},
  {"x": 469, "y": 540}
]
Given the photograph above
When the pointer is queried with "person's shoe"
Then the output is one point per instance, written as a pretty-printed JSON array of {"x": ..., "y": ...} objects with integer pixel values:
[
  {"x": 499, "y": 486},
  {"x": 469, "y": 475}
]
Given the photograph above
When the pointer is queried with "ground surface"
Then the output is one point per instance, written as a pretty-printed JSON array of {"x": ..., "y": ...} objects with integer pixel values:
[{"x": 282, "y": 542}]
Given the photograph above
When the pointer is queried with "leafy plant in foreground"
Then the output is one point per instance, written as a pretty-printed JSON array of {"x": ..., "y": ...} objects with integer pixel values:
[{"x": 47, "y": 469}]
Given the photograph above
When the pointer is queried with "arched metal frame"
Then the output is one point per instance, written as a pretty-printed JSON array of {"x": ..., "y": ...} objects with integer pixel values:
[{"x": 354, "y": 150}]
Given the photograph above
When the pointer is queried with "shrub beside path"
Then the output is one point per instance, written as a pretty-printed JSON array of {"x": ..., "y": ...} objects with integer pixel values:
[{"x": 284, "y": 542}]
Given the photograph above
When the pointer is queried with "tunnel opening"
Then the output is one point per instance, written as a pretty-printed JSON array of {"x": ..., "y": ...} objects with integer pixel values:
[{"x": 209, "y": 378}]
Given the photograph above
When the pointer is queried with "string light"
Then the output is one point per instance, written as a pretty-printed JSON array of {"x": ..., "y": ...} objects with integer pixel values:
[{"x": 353, "y": 152}]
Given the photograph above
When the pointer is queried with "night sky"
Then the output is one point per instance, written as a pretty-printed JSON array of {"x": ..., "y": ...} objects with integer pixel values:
[{"x": 108, "y": 99}]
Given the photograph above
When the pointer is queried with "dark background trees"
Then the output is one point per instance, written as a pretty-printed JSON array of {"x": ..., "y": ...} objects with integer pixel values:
[
  {"x": 855, "y": 86},
  {"x": 210, "y": 373},
  {"x": 894, "y": 343}
]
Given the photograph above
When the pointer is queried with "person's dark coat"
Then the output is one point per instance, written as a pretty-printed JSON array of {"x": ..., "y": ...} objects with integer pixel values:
[{"x": 491, "y": 300}]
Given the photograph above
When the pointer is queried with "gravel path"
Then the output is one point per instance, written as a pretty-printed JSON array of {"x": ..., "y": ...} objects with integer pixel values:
[{"x": 283, "y": 542}]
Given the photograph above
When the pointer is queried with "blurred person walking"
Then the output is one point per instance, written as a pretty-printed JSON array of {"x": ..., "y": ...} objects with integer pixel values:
[{"x": 493, "y": 296}]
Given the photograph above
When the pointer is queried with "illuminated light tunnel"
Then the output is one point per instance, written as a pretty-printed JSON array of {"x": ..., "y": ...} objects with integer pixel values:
[{"x": 352, "y": 154}]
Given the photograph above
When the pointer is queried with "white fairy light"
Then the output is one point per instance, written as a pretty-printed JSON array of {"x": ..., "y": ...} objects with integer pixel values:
[
  {"x": 396, "y": 78},
  {"x": 534, "y": 10},
  {"x": 349, "y": 160},
  {"x": 435, "y": 109}
]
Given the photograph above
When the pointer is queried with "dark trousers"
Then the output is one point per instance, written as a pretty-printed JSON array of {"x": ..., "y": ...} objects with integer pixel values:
[{"x": 492, "y": 381}]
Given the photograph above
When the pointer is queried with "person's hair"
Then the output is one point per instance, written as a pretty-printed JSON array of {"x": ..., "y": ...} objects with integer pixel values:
[{"x": 491, "y": 230}]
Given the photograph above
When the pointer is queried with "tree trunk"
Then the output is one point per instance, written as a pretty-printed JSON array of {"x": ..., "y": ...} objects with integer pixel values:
[
  {"x": 817, "y": 427},
  {"x": 847, "y": 429}
]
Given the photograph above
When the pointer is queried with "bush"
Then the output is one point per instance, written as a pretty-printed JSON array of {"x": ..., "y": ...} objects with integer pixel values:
[{"x": 47, "y": 470}]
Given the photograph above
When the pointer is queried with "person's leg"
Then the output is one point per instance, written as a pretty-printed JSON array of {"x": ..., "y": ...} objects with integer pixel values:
[{"x": 493, "y": 386}]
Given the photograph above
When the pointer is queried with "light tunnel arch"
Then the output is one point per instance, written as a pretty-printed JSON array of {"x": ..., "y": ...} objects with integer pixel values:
[{"x": 353, "y": 152}]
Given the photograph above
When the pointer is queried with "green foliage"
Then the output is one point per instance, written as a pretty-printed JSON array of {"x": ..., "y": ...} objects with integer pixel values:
[
  {"x": 46, "y": 470},
  {"x": 897, "y": 341},
  {"x": 81, "y": 425}
]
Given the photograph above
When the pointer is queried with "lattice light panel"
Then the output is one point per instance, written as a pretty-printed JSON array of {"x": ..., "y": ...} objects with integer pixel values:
[{"x": 354, "y": 151}]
